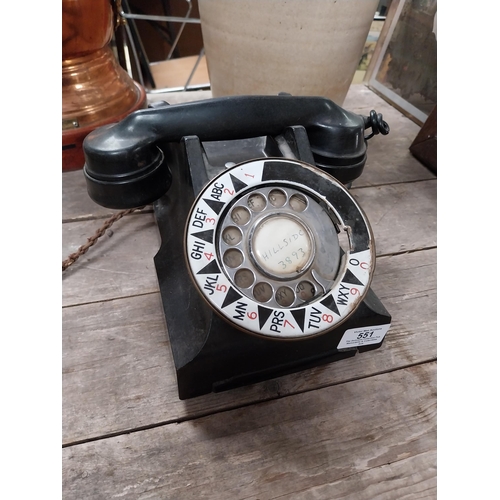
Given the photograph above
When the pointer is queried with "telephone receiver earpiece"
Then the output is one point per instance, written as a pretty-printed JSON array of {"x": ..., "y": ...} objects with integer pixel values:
[{"x": 125, "y": 168}]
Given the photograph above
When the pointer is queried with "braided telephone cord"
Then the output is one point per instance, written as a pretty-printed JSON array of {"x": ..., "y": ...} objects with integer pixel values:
[{"x": 72, "y": 258}]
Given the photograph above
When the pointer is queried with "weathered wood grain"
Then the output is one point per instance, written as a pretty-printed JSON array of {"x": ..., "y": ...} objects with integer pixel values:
[
  {"x": 402, "y": 216},
  {"x": 118, "y": 373},
  {"x": 413, "y": 478},
  {"x": 76, "y": 202},
  {"x": 389, "y": 159},
  {"x": 119, "y": 265},
  {"x": 294, "y": 447}
]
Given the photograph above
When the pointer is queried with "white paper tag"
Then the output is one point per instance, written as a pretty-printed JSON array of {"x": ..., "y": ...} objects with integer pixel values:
[{"x": 357, "y": 337}]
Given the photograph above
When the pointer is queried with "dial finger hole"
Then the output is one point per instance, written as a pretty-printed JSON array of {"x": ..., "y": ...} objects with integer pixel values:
[
  {"x": 231, "y": 235},
  {"x": 305, "y": 290},
  {"x": 256, "y": 202},
  {"x": 298, "y": 202},
  {"x": 277, "y": 198},
  {"x": 240, "y": 215},
  {"x": 233, "y": 258},
  {"x": 285, "y": 296},
  {"x": 262, "y": 291},
  {"x": 244, "y": 278}
]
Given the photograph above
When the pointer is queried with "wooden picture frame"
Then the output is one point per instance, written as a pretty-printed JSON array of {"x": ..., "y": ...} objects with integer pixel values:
[{"x": 403, "y": 68}]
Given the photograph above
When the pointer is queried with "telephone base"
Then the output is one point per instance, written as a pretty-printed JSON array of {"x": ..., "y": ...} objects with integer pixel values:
[
  {"x": 230, "y": 358},
  {"x": 210, "y": 355}
]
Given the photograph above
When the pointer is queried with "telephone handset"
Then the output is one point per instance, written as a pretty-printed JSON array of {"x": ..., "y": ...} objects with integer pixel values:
[
  {"x": 125, "y": 168},
  {"x": 262, "y": 243}
]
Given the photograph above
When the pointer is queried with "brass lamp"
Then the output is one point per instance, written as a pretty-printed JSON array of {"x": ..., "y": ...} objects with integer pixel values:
[{"x": 96, "y": 90}]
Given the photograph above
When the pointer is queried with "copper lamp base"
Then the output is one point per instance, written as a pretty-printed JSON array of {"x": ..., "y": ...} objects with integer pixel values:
[{"x": 96, "y": 91}]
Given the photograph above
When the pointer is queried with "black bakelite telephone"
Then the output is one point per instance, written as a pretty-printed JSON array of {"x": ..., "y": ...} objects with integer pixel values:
[{"x": 266, "y": 259}]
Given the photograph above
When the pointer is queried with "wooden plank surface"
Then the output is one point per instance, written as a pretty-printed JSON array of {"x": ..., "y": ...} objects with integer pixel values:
[
  {"x": 126, "y": 378},
  {"x": 120, "y": 264},
  {"x": 361, "y": 428},
  {"x": 402, "y": 216},
  {"x": 277, "y": 449},
  {"x": 176, "y": 72}
]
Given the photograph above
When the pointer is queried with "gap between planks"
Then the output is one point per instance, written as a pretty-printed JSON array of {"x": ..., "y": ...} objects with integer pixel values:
[
  {"x": 111, "y": 299},
  {"x": 268, "y": 449},
  {"x": 405, "y": 252},
  {"x": 89, "y": 217},
  {"x": 306, "y": 493},
  {"x": 242, "y": 405}
]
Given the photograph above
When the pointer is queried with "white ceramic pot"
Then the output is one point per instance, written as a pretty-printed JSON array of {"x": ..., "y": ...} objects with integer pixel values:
[{"x": 303, "y": 47}]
